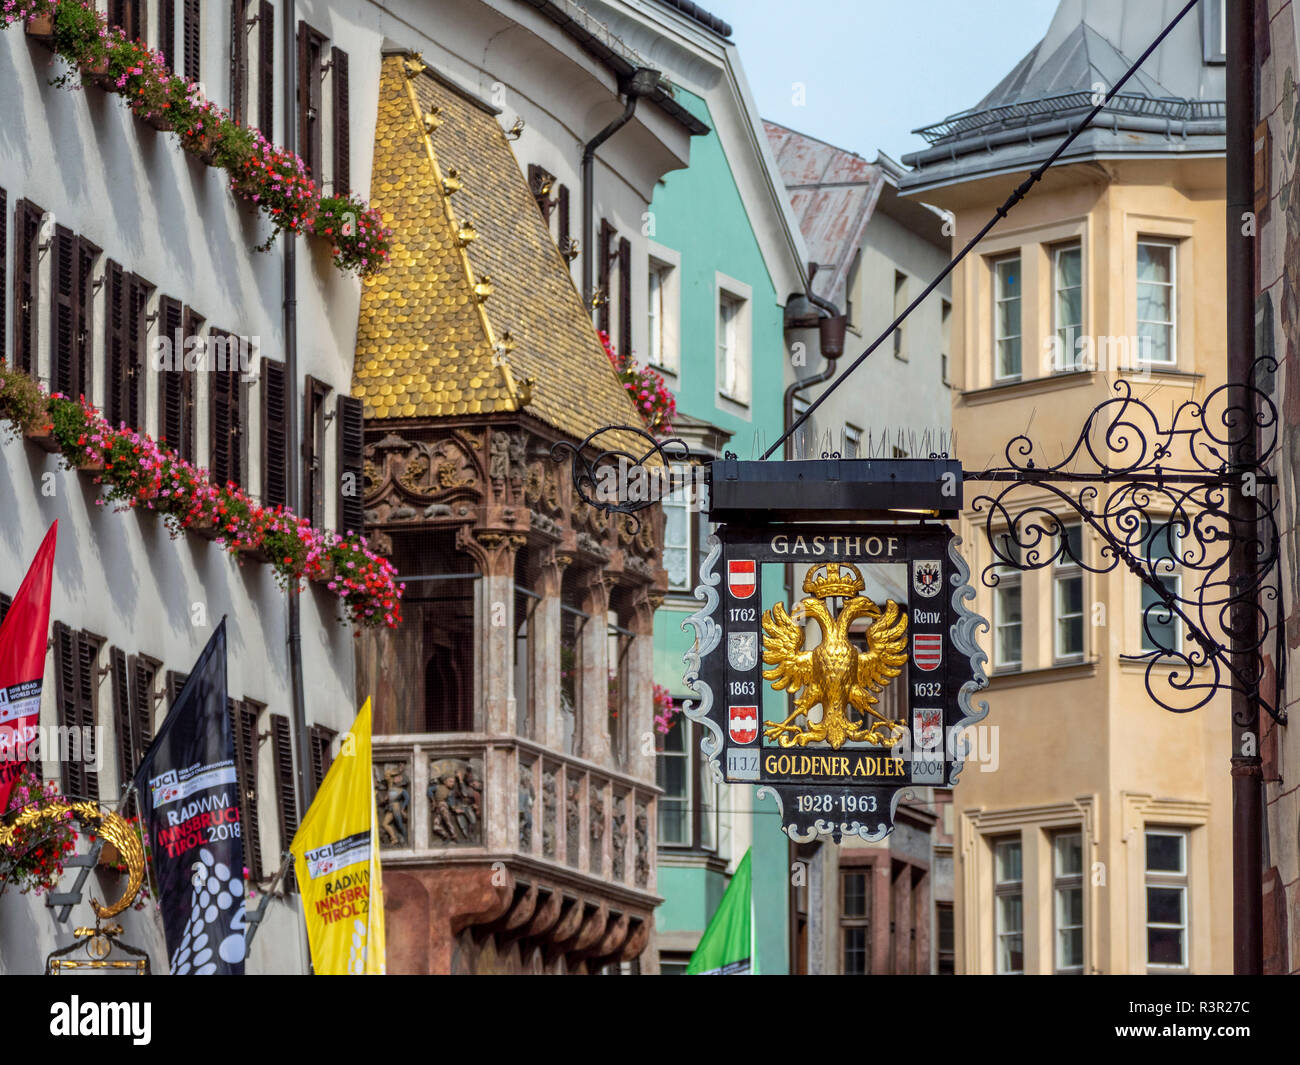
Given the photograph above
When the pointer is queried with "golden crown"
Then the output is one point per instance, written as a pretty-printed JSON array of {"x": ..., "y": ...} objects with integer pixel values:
[{"x": 827, "y": 580}]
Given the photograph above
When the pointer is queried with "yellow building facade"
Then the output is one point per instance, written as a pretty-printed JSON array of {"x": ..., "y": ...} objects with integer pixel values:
[{"x": 1093, "y": 827}]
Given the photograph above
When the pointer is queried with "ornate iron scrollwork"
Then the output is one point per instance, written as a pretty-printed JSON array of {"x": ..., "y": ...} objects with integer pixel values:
[
  {"x": 602, "y": 476},
  {"x": 1172, "y": 503}
]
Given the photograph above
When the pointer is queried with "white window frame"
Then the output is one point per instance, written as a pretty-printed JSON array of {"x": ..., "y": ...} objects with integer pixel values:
[
  {"x": 665, "y": 263},
  {"x": 1062, "y": 884},
  {"x": 1067, "y": 356},
  {"x": 1007, "y": 889},
  {"x": 738, "y": 343},
  {"x": 1067, "y": 569},
  {"x": 998, "y": 300},
  {"x": 1009, "y": 579},
  {"x": 1167, "y": 880},
  {"x": 1139, "y": 356}
]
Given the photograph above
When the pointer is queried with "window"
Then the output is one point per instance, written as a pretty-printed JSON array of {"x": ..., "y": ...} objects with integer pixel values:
[
  {"x": 313, "y": 450},
  {"x": 320, "y": 740},
  {"x": 675, "y": 777},
  {"x": 855, "y": 921},
  {"x": 1166, "y": 886},
  {"x": 900, "y": 305},
  {"x": 1008, "y": 620},
  {"x": 76, "y": 660},
  {"x": 239, "y": 61},
  {"x": 167, "y": 33},
  {"x": 1161, "y": 628},
  {"x": 1009, "y": 902},
  {"x": 946, "y": 939},
  {"x": 1157, "y": 302},
  {"x": 1214, "y": 30},
  {"x": 1067, "y": 903},
  {"x": 945, "y": 341},
  {"x": 1067, "y": 304},
  {"x": 128, "y": 15},
  {"x": 733, "y": 347},
  {"x": 661, "y": 316},
  {"x": 1067, "y": 603},
  {"x": 572, "y": 626},
  {"x": 562, "y": 222},
  {"x": 1006, "y": 317},
  {"x": 275, "y": 431},
  {"x": 624, "y": 297},
  {"x": 684, "y": 530},
  {"x": 311, "y": 45},
  {"x": 852, "y": 441},
  {"x": 176, "y": 386},
  {"x": 603, "y": 255},
  {"x": 342, "y": 147},
  {"x": 228, "y": 415},
  {"x": 134, "y": 679}
]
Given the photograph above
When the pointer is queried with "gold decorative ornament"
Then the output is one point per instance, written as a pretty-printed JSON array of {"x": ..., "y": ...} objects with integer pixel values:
[
  {"x": 570, "y": 249},
  {"x": 835, "y": 673},
  {"x": 414, "y": 65},
  {"x": 433, "y": 119},
  {"x": 466, "y": 235},
  {"x": 107, "y": 825},
  {"x": 483, "y": 288},
  {"x": 451, "y": 182},
  {"x": 512, "y": 134}
]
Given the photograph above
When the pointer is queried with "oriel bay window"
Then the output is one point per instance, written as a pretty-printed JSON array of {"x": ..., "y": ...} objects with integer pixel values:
[
  {"x": 573, "y": 623},
  {"x": 527, "y": 600}
]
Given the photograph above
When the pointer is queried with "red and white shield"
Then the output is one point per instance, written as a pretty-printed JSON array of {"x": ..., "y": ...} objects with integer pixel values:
[
  {"x": 927, "y": 650},
  {"x": 741, "y": 579},
  {"x": 742, "y": 723}
]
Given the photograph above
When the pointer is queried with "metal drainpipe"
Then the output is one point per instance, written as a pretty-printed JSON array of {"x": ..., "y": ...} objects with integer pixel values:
[
  {"x": 305, "y": 783},
  {"x": 642, "y": 83},
  {"x": 1247, "y": 771},
  {"x": 825, "y": 375}
]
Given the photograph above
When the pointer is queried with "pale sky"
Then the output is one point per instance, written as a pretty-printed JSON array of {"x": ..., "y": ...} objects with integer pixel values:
[{"x": 873, "y": 70}]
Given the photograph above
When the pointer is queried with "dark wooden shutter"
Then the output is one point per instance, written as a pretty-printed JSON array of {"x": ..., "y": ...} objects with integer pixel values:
[
  {"x": 563, "y": 205},
  {"x": 275, "y": 434},
  {"x": 76, "y": 681},
  {"x": 602, "y": 276},
  {"x": 4, "y": 272},
  {"x": 87, "y": 689},
  {"x": 238, "y": 61},
  {"x": 128, "y": 752},
  {"x": 27, "y": 231},
  {"x": 188, "y": 384},
  {"x": 243, "y": 726},
  {"x": 321, "y": 739},
  {"x": 83, "y": 339},
  {"x": 65, "y": 374},
  {"x": 175, "y": 682},
  {"x": 624, "y": 298},
  {"x": 351, "y": 461},
  {"x": 342, "y": 123},
  {"x": 192, "y": 43},
  {"x": 167, "y": 33},
  {"x": 313, "y": 452},
  {"x": 67, "y": 716},
  {"x": 285, "y": 791},
  {"x": 129, "y": 15},
  {"x": 6, "y": 601},
  {"x": 266, "y": 69},
  {"x": 227, "y": 418},
  {"x": 144, "y": 674},
  {"x": 171, "y": 404},
  {"x": 138, "y": 291},
  {"x": 118, "y": 382}
]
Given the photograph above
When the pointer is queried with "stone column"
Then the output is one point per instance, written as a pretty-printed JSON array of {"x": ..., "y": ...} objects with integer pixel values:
[
  {"x": 547, "y": 622},
  {"x": 594, "y": 689},
  {"x": 494, "y": 613}
]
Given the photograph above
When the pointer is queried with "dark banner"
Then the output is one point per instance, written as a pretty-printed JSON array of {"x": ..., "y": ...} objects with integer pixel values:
[{"x": 190, "y": 801}]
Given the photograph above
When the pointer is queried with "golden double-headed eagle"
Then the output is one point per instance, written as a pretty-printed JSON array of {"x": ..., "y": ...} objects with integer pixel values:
[{"x": 835, "y": 673}]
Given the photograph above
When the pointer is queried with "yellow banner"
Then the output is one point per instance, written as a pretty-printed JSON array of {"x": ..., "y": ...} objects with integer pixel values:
[{"x": 336, "y": 856}]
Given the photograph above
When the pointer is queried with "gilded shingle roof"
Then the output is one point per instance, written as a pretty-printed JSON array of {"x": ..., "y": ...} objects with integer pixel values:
[{"x": 428, "y": 344}]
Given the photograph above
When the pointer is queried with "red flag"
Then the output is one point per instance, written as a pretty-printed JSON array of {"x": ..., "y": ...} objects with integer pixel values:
[{"x": 23, "y": 638}]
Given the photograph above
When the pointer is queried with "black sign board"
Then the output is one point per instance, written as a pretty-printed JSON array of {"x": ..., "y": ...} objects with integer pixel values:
[{"x": 855, "y": 687}]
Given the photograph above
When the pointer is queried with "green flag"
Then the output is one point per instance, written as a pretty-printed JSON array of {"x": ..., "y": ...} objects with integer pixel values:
[{"x": 726, "y": 948}]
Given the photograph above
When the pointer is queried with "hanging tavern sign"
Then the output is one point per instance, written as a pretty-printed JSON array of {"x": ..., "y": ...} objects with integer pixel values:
[{"x": 840, "y": 698}]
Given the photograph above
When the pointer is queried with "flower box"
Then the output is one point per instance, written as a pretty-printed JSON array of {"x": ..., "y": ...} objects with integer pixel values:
[
  {"x": 159, "y": 121},
  {"x": 253, "y": 553},
  {"x": 40, "y": 28},
  {"x": 45, "y": 440},
  {"x": 324, "y": 574},
  {"x": 204, "y": 527},
  {"x": 97, "y": 74}
]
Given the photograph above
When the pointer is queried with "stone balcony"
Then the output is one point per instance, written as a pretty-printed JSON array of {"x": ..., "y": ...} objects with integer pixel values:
[{"x": 546, "y": 860}]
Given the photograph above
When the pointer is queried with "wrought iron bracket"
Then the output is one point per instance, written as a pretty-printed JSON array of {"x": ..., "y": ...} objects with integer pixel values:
[{"x": 1172, "y": 503}]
